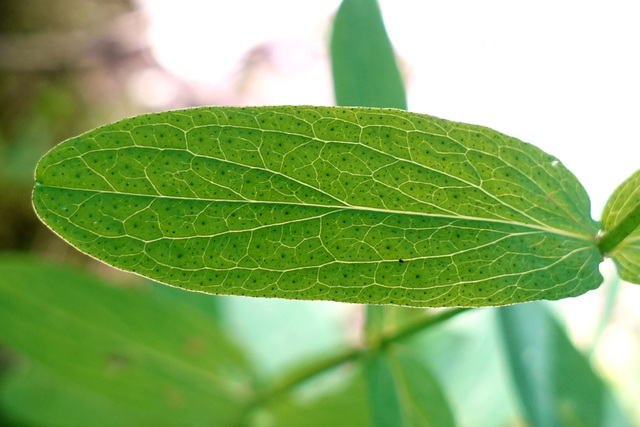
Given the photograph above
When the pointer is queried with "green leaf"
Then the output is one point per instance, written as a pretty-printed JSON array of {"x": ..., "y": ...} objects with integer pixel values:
[
  {"x": 88, "y": 353},
  {"x": 324, "y": 203},
  {"x": 384, "y": 401},
  {"x": 365, "y": 72},
  {"x": 621, "y": 235},
  {"x": 555, "y": 383},
  {"x": 423, "y": 402}
]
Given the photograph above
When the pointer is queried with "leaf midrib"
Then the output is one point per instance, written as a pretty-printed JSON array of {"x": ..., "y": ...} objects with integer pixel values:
[
  {"x": 314, "y": 137},
  {"x": 345, "y": 207}
]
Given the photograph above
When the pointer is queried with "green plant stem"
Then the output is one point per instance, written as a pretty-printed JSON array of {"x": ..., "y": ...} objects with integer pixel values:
[
  {"x": 420, "y": 324},
  {"x": 291, "y": 381},
  {"x": 608, "y": 240}
]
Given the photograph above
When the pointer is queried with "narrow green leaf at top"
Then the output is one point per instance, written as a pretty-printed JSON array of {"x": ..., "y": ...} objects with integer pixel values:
[
  {"x": 364, "y": 68},
  {"x": 620, "y": 238},
  {"x": 358, "y": 205}
]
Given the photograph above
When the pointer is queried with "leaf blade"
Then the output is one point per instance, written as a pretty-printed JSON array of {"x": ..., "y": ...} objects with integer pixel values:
[{"x": 348, "y": 204}]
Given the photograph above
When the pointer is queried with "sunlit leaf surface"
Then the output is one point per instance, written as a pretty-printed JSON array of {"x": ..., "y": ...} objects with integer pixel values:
[
  {"x": 347, "y": 204},
  {"x": 623, "y": 203}
]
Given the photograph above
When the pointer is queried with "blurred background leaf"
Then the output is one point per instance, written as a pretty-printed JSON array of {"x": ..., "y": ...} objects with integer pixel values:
[
  {"x": 463, "y": 355},
  {"x": 88, "y": 353},
  {"x": 423, "y": 402},
  {"x": 384, "y": 401},
  {"x": 365, "y": 72},
  {"x": 555, "y": 383}
]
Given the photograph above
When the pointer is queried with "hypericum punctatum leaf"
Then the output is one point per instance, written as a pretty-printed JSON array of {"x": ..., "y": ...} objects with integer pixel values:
[
  {"x": 621, "y": 235},
  {"x": 324, "y": 203}
]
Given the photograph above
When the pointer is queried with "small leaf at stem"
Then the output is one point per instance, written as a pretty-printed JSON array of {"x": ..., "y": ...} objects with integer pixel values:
[{"x": 620, "y": 239}]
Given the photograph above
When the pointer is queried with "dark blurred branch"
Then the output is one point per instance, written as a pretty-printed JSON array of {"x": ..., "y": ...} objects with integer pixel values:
[{"x": 48, "y": 51}]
